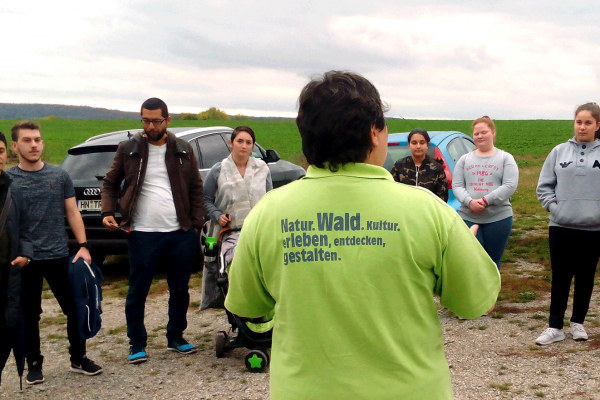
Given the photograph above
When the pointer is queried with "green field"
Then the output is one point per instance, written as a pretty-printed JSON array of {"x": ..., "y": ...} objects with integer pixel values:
[{"x": 529, "y": 141}]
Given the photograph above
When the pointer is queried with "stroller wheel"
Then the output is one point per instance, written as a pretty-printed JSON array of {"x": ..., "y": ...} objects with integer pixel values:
[
  {"x": 220, "y": 341},
  {"x": 256, "y": 361}
]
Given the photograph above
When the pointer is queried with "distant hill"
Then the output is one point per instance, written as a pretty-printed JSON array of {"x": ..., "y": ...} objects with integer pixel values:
[{"x": 35, "y": 111}]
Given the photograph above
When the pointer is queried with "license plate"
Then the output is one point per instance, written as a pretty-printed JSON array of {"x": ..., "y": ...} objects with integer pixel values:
[{"x": 89, "y": 205}]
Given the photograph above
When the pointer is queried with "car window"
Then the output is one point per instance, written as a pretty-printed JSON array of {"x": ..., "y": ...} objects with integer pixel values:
[
  {"x": 398, "y": 152},
  {"x": 255, "y": 150},
  {"x": 212, "y": 150},
  {"x": 456, "y": 149},
  {"x": 194, "y": 144},
  {"x": 468, "y": 144},
  {"x": 88, "y": 166}
]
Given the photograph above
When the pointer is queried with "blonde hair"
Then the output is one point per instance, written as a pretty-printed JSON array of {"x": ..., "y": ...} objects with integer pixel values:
[{"x": 486, "y": 120}]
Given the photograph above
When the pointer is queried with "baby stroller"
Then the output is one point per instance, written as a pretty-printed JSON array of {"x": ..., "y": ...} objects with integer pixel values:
[{"x": 251, "y": 333}]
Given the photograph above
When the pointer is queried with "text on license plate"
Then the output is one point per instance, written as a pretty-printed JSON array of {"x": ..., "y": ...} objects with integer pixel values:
[{"x": 89, "y": 205}]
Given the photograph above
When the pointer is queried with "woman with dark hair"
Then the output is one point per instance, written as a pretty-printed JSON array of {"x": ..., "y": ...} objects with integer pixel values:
[
  {"x": 484, "y": 180},
  {"x": 568, "y": 188},
  {"x": 419, "y": 169},
  {"x": 235, "y": 185}
]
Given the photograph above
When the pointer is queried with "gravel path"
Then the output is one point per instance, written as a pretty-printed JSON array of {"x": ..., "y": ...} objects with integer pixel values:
[{"x": 490, "y": 358}]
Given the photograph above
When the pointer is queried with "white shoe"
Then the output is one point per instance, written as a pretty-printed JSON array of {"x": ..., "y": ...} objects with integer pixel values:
[
  {"x": 549, "y": 336},
  {"x": 578, "y": 332}
]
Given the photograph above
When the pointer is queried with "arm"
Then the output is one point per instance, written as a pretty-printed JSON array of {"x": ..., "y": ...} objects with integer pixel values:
[
  {"x": 546, "y": 188},
  {"x": 25, "y": 249},
  {"x": 510, "y": 180},
  {"x": 269, "y": 181},
  {"x": 442, "y": 185},
  {"x": 196, "y": 195},
  {"x": 468, "y": 281},
  {"x": 111, "y": 187},
  {"x": 76, "y": 224},
  {"x": 210, "y": 191},
  {"x": 458, "y": 182},
  {"x": 248, "y": 295}
]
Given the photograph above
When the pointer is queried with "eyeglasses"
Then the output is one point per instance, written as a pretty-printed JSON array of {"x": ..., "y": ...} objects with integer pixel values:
[{"x": 156, "y": 122}]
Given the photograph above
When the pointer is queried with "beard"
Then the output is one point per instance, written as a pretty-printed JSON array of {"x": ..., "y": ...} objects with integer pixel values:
[
  {"x": 155, "y": 136},
  {"x": 31, "y": 158}
]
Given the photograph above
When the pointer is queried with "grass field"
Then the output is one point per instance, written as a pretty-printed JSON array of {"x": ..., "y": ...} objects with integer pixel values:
[{"x": 528, "y": 141}]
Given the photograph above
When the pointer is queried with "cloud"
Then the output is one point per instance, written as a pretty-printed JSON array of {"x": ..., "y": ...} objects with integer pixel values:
[{"x": 439, "y": 59}]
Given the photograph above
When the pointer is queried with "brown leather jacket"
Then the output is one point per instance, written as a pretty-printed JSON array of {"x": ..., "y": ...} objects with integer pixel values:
[{"x": 130, "y": 165}]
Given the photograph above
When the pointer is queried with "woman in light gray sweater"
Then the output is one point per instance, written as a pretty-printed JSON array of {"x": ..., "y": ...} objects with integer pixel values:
[
  {"x": 483, "y": 181},
  {"x": 569, "y": 188}
]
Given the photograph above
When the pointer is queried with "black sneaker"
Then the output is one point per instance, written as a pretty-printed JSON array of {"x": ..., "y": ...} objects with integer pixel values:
[
  {"x": 87, "y": 367},
  {"x": 181, "y": 346},
  {"x": 136, "y": 355},
  {"x": 34, "y": 373}
]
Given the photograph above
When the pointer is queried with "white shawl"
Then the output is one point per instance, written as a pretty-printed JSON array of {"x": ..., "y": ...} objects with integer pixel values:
[{"x": 237, "y": 195}]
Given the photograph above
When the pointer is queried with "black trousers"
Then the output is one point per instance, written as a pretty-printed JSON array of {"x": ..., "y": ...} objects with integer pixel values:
[
  {"x": 148, "y": 251},
  {"x": 574, "y": 253},
  {"x": 56, "y": 272}
]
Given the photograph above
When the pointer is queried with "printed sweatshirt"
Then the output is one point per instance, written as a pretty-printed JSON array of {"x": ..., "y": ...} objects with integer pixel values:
[
  {"x": 494, "y": 177},
  {"x": 569, "y": 185}
]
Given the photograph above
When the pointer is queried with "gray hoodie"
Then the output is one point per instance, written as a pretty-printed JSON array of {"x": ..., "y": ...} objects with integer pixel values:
[{"x": 569, "y": 185}]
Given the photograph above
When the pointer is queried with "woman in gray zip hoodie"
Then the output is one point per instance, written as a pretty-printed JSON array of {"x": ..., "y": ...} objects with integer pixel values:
[{"x": 568, "y": 188}]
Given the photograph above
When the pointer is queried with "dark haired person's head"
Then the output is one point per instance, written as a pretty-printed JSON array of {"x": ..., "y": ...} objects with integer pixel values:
[
  {"x": 421, "y": 132},
  {"x": 155, "y": 103},
  {"x": 3, "y": 139},
  {"x": 337, "y": 116},
  {"x": 594, "y": 111},
  {"x": 155, "y": 118},
  {"x": 246, "y": 129},
  {"x": 30, "y": 125},
  {"x": 3, "y": 152}
]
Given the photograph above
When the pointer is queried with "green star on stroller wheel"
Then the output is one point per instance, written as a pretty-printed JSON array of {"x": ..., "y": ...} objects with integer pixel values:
[{"x": 256, "y": 360}]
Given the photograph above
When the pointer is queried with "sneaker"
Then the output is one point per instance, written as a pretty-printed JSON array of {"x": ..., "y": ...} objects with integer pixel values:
[
  {"x": 34, "y": 373},
  {"x": 86, "y": 367},
  {"x": 137, "y": 355},
  {"x": 549, "y": 336},
  {"x": 578, "y": 332},
  {"x": 181, "y": 346}
]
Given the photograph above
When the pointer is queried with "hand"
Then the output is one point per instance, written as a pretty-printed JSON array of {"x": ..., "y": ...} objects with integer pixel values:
[
  {"x": 224, "y": 219},
  {"x": 83, "y": 253},
  {"x": 110, "y": 223},
  {"x": 474, "y": 228},
  {"x": 476, "y": 206},
  {"x": 20, "y": 261}
]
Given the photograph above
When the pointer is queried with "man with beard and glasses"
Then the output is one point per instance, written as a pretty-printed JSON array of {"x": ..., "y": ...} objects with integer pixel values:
[
  {"x": 49, "y": 198},
  {"x": 161, "y": 202}
]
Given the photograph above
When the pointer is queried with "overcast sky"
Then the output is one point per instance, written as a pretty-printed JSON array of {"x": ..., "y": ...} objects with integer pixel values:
[{"x": 429, "y": 59}]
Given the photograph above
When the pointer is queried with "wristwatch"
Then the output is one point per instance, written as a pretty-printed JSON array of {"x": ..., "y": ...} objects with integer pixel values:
[{"x": 84, "y": 244}]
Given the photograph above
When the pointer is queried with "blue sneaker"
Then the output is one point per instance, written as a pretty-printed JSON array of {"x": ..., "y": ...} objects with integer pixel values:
[
  {"x": 137, "y": 355},
  {"x": 181, "y": 346}
]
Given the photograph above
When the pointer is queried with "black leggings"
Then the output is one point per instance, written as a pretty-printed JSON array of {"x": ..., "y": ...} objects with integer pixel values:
[{"x": 574, "y": 253}]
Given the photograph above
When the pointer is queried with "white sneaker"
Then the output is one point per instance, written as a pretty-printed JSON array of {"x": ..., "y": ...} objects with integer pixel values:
[
  {"x": 549, "y": 336},
  {"x": 578, "y": 332}
]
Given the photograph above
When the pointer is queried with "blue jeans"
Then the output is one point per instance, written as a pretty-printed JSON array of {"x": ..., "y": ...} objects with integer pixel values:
[
  {"x": 176, "y": 251},
  {"x": 494, "y": 237}
]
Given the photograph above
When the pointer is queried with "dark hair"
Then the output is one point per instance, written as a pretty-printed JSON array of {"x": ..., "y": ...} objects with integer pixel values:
[
  {"x": 3, "y": 139},
  {"x": 420, "y": 131},
  {"x": 594, "y": 109},
  {"x": 23, "y": 125},
  {"x": 155, "y": 103},
  {"x": 336, "y": 113},
  {"x": 246, "y": 129}
]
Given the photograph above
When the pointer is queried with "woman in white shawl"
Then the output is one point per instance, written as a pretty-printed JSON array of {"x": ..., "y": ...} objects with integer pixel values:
[{"x": 234, "y": 186}]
